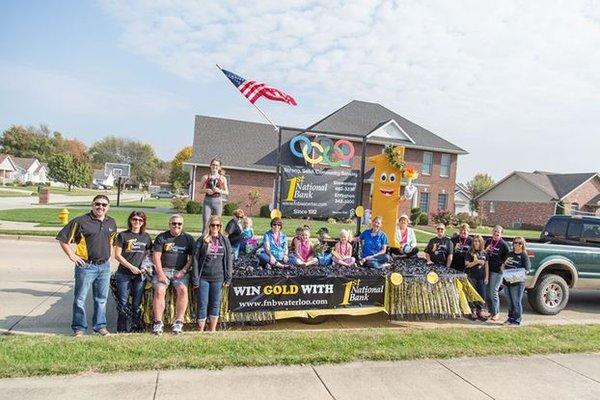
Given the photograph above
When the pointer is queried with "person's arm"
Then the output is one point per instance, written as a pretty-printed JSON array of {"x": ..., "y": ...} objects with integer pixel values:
[
  {"x": 285, "y": 249},
  {"x": 228, "y": 265},
  {"x": 428, "y": 250},
  {"x": 472, "y": 263},
  {"x": 196, "y": 263},
  {"x": 487, "y": 273},
  {"x": 203, "y": 188},
  {"x": 190, "y": 257},
  {"x": 412, "y": 238},
  {"x": 118, "y": 250},
  {"x": 71, "y": 254},
  {"x": 526, "y": 262},
  {"x": 449, "y": 260},
  {"x": 225, "y": 190},
  {"x": 336, "y": 253},
  {"x": 158, "y": 266}
]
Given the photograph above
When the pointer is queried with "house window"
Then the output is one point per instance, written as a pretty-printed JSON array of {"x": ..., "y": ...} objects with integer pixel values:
[
  {"x": 442, "y": 201},
  {"x": 427, "y": 163},
  {"x": 424, "y": 202},
  {"x": 574, "y": 208},
  {"x": 492, "y": 207},
  {"x": 445, "y": 166}
]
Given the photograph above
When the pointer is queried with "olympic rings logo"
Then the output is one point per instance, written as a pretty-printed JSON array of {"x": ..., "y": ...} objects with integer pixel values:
[{"x": 323, "y": 151}]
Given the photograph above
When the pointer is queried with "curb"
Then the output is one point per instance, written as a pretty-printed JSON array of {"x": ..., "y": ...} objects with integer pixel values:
[{"x": 27, "y": 237}]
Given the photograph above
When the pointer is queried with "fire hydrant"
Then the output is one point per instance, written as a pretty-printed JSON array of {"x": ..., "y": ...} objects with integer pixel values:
[{"x": 63, "y": 216}]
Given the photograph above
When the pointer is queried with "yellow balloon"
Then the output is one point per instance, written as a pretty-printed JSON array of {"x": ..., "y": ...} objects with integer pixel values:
[
  {"x": 360, "y": 211},
  {"x": 276, "y": 213},
  {"x": 396, "y": 278},
  {"x": 432, "y": 278}
]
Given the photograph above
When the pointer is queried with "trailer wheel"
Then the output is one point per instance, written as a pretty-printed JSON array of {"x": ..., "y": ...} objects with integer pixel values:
[{"x": 550, "y": 295}]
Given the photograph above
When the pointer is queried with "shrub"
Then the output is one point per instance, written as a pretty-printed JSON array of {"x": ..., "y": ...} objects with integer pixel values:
[
  {"x": 193, "y": 207},
  {"x": 179, "y": 204},
  {"x": 445, "y": 217},
  {"x": 422, "y": 220},
  {"x": 229, "y": 208},
  {"x": 29, "y": 183},
  {"x": 466, "y": 218},
  {"x": 265, "y": 211},
  {"x": 331, "y": 221},
  {"x": 415, "y": 213}
]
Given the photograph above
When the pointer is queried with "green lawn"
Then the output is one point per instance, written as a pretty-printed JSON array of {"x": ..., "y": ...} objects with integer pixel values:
[
  {"x": 53, "y": 355},
  {"x": 9, "y": 193},
  {"x": 486, "y": 230}
]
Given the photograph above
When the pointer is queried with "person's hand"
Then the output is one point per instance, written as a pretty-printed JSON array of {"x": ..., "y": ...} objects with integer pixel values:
[
  {"x": 272, "y": 260},
  {"x": 285, "y": 259},
  {"x": 77, "y": 260},
  {"x": 210, "y": 191},
  {"x": 216, "y": 190},
  {"x": 482, "y": 262},
  {"x": 179, "y": 274},
  {"x": 136, "y": 271},
  {"x": 429, "y": 262},
  {"x": 162, "y": 278},
  {"x": 486, "y": 281},
  {"x": 225, "y": 284}
]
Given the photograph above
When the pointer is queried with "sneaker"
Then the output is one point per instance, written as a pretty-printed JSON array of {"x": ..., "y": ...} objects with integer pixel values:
[
  {"x": 177, "y": 327},
  {"x": 157, "y": 328},
  {"x": 77, "y": 333},
  {"x": 507, "y": 322},
  {"x": 102, "y": 332},
  {"x": 494, "y": 317}
]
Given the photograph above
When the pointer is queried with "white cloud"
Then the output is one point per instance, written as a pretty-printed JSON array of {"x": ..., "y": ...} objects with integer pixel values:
[{"x": 478, "y": 73}]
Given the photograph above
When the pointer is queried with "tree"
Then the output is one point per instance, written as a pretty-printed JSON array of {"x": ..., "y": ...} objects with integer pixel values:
[
  {"x": 32, "y": 142},
  {"x": 78, "y": 149},
  {"x": 140, "y": 155},
  {"x": 63, "y": 167},
  {"x": 479, "y": 184},
  {"x": 178, "y": 176}
]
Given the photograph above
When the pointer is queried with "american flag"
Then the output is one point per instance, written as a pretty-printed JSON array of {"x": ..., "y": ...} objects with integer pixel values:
[{"x": 254, "y": 90}]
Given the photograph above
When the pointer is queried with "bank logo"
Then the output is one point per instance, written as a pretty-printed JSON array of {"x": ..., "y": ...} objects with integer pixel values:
[
  {"x": 355, "y": 292},
  {"x": 323, "y": 151}
]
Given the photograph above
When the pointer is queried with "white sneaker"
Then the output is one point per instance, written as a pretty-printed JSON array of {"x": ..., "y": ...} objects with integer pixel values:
[
  {"x": 157, "y": 328},
  {"x": 177, "y": 327}
]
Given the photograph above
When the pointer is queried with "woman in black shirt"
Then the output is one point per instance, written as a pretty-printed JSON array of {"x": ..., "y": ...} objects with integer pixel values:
[
  {"x": 131, "y": 249},
  {"x": 516, "y": 266},
  {"x": 497, "y": 251},
  {"x": 477, "y": 269},
  {"x": 211, "y": 270}
]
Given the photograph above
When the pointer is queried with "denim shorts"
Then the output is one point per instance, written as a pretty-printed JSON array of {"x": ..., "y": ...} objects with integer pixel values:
[{"x": 169, "y": 272}]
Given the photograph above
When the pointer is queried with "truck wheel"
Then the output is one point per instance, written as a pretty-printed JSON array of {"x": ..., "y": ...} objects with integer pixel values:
[{"x": 550, "y": 295}]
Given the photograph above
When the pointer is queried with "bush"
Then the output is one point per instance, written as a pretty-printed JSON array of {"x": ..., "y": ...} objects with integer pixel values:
[
  {"x": 423, "y": 219},
  {"x": 265, "y": 211},
  {"x": 415, "y": 213},
  {"x": 179, "y": 204},
  {"x": 468, "y": 219},
  {"x": 193, "y": 207},
  {"x": 28, "y": 183},
  {"x": 445, "y": 217},
  {"x": 229, "y": 208}
]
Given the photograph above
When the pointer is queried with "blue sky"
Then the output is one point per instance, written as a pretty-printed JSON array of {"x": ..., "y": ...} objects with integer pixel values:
[{"x": 517, "y": 84}]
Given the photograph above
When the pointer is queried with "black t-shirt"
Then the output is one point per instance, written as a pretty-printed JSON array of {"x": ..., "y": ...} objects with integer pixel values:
[
  {"x": 94, "y": 238},
  {"x": 514, "y": 260},
  {"x": 477, "y": 271},
  {"x": 135, "y": 246},
  {"x": 174, "y": 249},
  {"x": 214, "y": 264},
  {"x": 234, "y": 232},
  {"x": 497, "y": 253},
  {"x": 461, "y": 248},
  {"x": 439, "y": 249}
]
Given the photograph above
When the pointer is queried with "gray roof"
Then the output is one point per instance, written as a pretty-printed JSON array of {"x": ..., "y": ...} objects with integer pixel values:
[
  {"x": 361, "y": 118},
  {"x": 24, "y": 163}
]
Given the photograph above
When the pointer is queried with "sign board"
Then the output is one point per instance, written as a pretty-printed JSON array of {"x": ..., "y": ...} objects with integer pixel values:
[
  {"x": 305, "y": 293},
  {"x": 318, "y": 193},
  {"x": 118, "y": 169}
]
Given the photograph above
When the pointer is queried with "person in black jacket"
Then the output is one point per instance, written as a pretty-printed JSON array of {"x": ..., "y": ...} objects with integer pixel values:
[
  {"x": 211, "y": 270},
  {"x": 497, "y": 251},
  {"x": 234, "y": 231}
]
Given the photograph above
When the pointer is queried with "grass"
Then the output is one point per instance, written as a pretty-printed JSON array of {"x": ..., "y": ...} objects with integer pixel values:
[
  {"x": 55, "y": 355},
  {"x": 487, "y": 230},
  {"x": 8, "y": 193}
]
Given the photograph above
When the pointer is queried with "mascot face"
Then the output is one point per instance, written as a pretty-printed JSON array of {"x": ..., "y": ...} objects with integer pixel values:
[{"x": 386, "y": 185}]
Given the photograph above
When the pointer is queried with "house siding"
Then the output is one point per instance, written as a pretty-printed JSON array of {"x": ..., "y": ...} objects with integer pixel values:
[
  {"x": 530, "y": 214},
  {"x": 582, "y": 195},
  {"x": 516, "y": 187}
]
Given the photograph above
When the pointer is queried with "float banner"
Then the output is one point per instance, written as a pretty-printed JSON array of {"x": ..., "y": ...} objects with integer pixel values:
[
  {"x": 305, "y": 292},
  {"x": 318, "y": 193}
]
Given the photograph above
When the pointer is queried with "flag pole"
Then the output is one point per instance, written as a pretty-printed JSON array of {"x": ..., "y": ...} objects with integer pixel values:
[{"x": 275, "y": 127}]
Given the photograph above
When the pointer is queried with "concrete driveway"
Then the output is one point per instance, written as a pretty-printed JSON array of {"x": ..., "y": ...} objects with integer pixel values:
[{"x": 36, "y": 295}]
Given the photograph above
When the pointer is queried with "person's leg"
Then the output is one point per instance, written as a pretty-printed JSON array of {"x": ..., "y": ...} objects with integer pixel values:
[
  {"x": 481, "y": 288},
  {"x": 137, "y": 293},
  {"x": 214, "y": 304},
  {"x": 494, "y": 287},
  {"x": 413, "y": 252},
  {"x": 217, "y": 206},
  {"x": 311, "y": 262},
  {"x": 510, "y": 296},
  {"x": 295, "y": 261},
  {"x": 182, "y": 301},
  {"x": 236, "y": 249},
  {"x": 123, "y": 282},
  {"x": 203, "y": 295},
  {"x": 325, "y": 260},
  {"x": 100, "y": 291},
  {"x": 206, "y": 212},
  {"x": 158, "y": 301},
  {"x": 263, "y": 258},
  {"x": 518, "y": 299},
  {"x": 84, "y": 277}
]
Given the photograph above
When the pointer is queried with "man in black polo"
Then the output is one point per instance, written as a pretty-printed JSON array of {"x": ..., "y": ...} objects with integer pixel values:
[{"x": 93, "y": 233}]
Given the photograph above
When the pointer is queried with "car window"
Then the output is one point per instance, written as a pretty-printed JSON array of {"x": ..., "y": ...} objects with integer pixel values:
[
  {"x": 556, "y": 227},
  {"x": 574, "y": 231},
  {"x": 591, "y": 230}
]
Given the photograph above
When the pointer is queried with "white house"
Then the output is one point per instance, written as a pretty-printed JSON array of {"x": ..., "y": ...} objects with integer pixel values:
[
  {"x": 100, "y": 179},
  {"x": 7, "y": 169},
  {"x": 462, "y": 199},
  {"x": 29, "y": 170}
]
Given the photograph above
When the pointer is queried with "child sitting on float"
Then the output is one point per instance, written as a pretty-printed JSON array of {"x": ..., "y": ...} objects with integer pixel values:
[
  {"x": 250, "y": 243},
  {"x": 303, "y": 252},
  {"x": 326, "y": 258},
  {"x": 342, "y": 252}
]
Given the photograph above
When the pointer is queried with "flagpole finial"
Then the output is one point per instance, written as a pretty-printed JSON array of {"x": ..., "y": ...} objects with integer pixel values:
[{"x": 218, "y": 66}]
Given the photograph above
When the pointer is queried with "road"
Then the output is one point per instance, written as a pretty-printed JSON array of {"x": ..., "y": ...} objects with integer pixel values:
[
  {"x": 7, "y": 203},
  {"x": 36, "y": 295}
]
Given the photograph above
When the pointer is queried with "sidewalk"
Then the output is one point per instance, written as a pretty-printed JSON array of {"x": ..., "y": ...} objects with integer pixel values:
[{"x": 574, "y": 376}]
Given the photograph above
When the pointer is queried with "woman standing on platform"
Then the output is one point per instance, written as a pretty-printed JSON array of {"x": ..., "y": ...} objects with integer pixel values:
[{"x": 214, "y": 186}]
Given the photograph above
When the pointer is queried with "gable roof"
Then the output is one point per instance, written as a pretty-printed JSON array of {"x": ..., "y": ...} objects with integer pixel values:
[
  {"x": 4, "y": 157},
  {"x": 557, "y": 186},
  {"x": 24, "y": 163},
  {"x": 361, "y": 117},
  {"x": 459, "y": 187}
]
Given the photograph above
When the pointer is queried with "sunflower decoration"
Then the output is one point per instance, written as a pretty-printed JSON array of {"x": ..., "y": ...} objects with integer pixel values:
[
  {"x": 410, "y": 173},
  {"x": 395, "y": 158}
]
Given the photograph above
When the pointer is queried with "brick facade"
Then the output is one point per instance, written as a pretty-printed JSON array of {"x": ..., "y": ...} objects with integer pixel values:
[
  {"x": 241, "y": 182},
  {"x": 583, "y": 195},
  {"x": 531, "y": 215}
]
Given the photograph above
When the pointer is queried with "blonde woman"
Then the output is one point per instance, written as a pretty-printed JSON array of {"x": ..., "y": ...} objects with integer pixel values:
[
  {"x": 211, "y": 270},
  {"x": 476, "y": 264},
  {"x": 517, "y": 265}
]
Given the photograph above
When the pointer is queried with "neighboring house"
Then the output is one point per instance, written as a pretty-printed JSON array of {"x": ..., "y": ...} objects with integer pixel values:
[
  {"x": 528, "y": 199},
  {"x": 30, "y": 170},
  {"x": 7, "y": 169},
  {"x": 248, "y": 152},
  {"x": 99, "y": 178},
  {"x": 462, "y": 199}
]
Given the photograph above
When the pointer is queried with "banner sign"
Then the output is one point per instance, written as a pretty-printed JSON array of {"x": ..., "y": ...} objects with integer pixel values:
[
  {"x": 305, "y": 293},
  {"x": 318, "y": 193},
  {"x": 323, "y": 151}
]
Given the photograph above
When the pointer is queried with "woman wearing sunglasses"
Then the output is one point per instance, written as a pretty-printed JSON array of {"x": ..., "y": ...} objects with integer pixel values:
[
  {"x": 515, "y": 269},
  {"x": 211, "y": 270},
  {"x": 131, "y": 248}
]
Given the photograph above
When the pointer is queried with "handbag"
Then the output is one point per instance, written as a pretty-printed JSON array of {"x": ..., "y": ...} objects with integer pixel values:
[{"x": 514, "y": 275}]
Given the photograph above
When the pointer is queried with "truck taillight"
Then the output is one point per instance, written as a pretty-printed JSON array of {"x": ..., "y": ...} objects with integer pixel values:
[{"x": 530, "y": 253}]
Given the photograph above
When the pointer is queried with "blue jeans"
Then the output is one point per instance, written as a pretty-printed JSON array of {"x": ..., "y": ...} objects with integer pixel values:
[
  {"x": 515, "y": 301},
  {"x": 263, "y": 258},
  {"x": 481, "y": 288},
  {"x": 236, "y": 249},
  {"x": 325, "y": 260},
  {"x": 98, "y": 277},
  {"x": 493, "y": 288},
  {"x": 129, "y": 318},
  {"x": 377, "y": 262},
  {"x": 209, "y": 298}
]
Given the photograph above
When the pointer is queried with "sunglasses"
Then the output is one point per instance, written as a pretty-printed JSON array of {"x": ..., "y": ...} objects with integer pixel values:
[
  {"x": 521, "y": 243},
  {"x": 137, "y": 220},
  {"x": 177, "y": 223},
  {"x": 440, "y": 229},
  {"x": 215, "y": 225},
  {"x": 100, "y": 204},
  {"x": 278, "y": 224}
]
